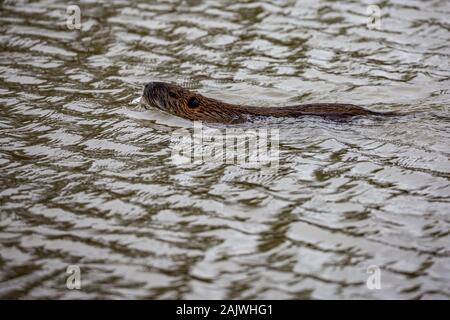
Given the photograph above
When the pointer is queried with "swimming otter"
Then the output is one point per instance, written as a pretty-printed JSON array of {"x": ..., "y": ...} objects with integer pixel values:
[{"x": 193, "y": 106}]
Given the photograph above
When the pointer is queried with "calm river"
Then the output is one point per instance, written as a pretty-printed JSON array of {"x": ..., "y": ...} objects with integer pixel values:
[{"x": 88, "y": 181}]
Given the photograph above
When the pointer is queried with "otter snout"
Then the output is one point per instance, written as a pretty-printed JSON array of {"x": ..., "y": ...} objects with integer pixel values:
[
  {"x": 148, "y": 92},
  {"x": 148, "y": 89},
  {"x": 152, "y": 86},
  {"x": 156, "y": 95},
  {"x": 152, "y": 89},
  {"x": 149, "y": 86}
]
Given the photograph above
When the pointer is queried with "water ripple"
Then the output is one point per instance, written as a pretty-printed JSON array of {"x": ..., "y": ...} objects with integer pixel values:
[{"x": 88, "y": 179}]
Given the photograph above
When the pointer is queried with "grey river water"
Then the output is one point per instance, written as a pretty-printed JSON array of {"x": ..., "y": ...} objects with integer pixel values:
[{"x": 87, "y": 177}]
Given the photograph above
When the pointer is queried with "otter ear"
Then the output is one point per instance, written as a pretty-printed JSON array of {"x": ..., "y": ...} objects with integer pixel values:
[{"x": 193, "y": 102}]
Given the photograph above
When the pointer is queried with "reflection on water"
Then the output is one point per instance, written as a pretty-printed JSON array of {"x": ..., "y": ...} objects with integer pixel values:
[{"x": 87, "y": 177}]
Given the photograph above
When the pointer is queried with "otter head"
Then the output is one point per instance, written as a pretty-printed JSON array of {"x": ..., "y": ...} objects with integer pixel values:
[{"x": 173, "y": 99}]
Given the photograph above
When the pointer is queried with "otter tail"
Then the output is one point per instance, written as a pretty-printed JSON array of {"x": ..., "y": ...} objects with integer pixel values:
[{"x": 385, "y": 113}]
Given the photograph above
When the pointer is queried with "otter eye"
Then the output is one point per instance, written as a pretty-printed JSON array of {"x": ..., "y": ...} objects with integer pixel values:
[
  {"x": 193, "y": 102},
  {"x": 172, "y": 94}
]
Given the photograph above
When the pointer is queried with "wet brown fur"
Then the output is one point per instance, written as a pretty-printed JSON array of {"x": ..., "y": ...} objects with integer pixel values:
[{"x": 193, "y": 106}]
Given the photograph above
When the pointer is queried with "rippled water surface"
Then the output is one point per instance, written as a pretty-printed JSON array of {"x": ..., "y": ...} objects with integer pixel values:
[{"x": 87, "y": 177}]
